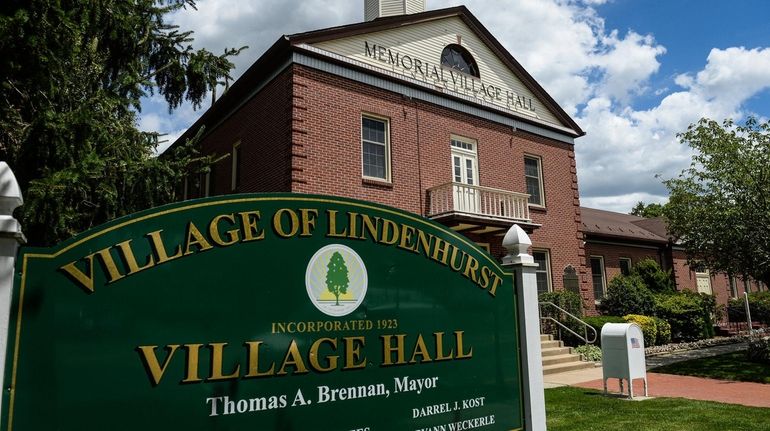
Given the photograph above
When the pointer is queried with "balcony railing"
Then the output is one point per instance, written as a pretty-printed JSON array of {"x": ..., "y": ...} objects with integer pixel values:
[{"x": 479, "y": 201}]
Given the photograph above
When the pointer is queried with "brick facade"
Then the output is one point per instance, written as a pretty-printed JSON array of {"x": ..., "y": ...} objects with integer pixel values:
[{"x": 302, "y": 133}]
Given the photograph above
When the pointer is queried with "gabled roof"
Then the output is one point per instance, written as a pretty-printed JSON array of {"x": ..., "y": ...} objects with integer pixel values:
[
  {"x": 608, "y": 224},
  {"x": 470, "y": 20},
  {"x": 280, "y": 53}
]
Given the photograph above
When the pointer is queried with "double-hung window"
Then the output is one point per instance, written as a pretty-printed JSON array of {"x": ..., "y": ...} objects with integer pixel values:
[
  {"x": 375, "y": 148},
  {"x": 543, "y": 271},
  {"x": 597, "y": 275},
  {"x": 533, "y": 174}
]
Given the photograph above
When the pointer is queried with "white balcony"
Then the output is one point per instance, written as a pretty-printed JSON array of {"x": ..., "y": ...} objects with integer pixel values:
[{"x": 477, "y": 202}]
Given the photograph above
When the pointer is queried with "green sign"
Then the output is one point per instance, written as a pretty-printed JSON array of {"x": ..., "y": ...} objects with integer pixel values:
[{"x": 259, "y": 312}]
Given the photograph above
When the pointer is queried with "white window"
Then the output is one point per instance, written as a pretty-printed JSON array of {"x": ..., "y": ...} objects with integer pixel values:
[
  {"x": 465, "y": 175},
  {"x": 236, "y": 167},
  {"x": 375, "y": 148},
  {"x": 625, "y": 266},
  {"x": 597, "y": 275},
  {"x": 533, "y": 173},
  {"x": 543, "y": 271}
]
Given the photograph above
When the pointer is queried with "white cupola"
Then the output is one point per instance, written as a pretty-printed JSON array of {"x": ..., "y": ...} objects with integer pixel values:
[{"x": 374, "y": 9}]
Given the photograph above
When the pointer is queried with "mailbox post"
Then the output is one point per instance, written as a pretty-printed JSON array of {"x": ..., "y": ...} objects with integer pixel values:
[{"x": 623, "y": 355}]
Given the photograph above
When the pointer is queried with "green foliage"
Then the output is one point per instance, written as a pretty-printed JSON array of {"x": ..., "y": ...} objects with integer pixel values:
[
  {"x": 648, "y": 325},
  {"x": 590, "y": 352},
  {"x": 759, "y": 350},
  {"x": 653, "y": 276},
  {"x": 73, "y": 74},
  {"x": 647, "y": 211},
  {"x": 663, "y": 336},
  {"x": 569, "y": 301},
  {"x": 684, "y": 312},
  {"x": 337, "y": 276},
  {"x": 597, "y": 322},
  {"x": 759, "y": 306},
  {"x": 627, "y": 295},
  {"x": 719, "y": 207}
]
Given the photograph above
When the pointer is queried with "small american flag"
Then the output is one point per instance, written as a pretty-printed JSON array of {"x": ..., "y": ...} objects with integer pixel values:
[{"x": 635, "y": 343}]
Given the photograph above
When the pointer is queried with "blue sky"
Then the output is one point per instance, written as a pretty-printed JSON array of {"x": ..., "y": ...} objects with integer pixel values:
[{"x": 632, "y": 73}]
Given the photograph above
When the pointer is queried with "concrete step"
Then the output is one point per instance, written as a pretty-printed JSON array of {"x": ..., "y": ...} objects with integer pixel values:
[
  {"x": 554, "y": 351},
  {"x": 550, "y": 344},
  {"x": 546, "y": 337},
  {"x": 571, "y": 366},
  {"x": 561, "y": 359}
]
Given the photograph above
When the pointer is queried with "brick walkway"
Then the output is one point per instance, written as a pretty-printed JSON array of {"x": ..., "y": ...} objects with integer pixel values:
[{"x": 694, "y": 388}]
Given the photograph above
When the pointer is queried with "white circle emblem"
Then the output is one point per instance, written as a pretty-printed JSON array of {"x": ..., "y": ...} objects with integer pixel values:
[{"x": 336, "y": 280}]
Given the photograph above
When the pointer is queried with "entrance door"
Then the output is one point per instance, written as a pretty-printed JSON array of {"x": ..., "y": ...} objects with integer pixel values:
[{"x": 465, "y": 175}]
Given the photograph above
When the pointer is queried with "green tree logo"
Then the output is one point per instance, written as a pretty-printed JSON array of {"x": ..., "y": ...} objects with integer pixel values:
[{"x": 337, "y": 276}]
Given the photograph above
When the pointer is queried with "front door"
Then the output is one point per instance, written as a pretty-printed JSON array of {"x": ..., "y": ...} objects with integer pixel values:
[{"x": 465, "y": 177}]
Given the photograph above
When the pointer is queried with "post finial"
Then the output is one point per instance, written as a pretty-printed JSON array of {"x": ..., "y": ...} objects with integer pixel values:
[{"x": 517, "y": 242}]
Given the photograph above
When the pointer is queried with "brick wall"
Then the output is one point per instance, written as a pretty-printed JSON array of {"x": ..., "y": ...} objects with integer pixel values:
[
  {"x": 326, "y": 144},
  {"x": 613, "y": 253}
]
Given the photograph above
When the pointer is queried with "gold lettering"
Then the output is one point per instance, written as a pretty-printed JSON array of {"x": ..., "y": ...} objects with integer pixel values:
[
  {"x": 160, "y": 249},
  {"x": 232, "y": 234},
  {"x": 147, "y": 353},
  {"x": 330, "y": 360},
  {"x": 193, "y": 360},
  {"x": 128, "y": 257},
  {"x": 424, "y": 241},
  {"x": 496, "y": 282},
  {"x": 420, "y": 349},
  {"x": 440, "y": 348},
  {"x": 250, "y": 224},
  {"x": 353, "y": 225},
  {"x": 333, "y": 226},
  {"x": 254, "y": 361},
  {"x": 485, "y": 271},
  {"x": 308, "y": 221},
  {"x": 87, "y": 281},
  {"x": 353, "y": 352},
  {"x": 406, "y": 237},
  {"x": 459, "y": 266},
  {"x": 389, "y": 228},
  {"x": 278, "y": 224},
  {"x": 195, "y": 237},
  {"x": 294, "y": 358},
  {"x": 217, "y": 353},
  {"x": 459, "y": 343},
  {"x": 388, "y": 349},
  {"x": 370, "y": 226},
  {"x": 440, "y": 247},
  {"x": 471, "y": 266}
]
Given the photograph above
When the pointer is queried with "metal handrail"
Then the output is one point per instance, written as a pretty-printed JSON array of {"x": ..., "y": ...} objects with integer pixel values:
[{"x": 586, "y": 326}]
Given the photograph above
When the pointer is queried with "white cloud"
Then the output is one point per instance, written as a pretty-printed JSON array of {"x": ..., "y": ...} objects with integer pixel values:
[{"x": 595, "y": 73}]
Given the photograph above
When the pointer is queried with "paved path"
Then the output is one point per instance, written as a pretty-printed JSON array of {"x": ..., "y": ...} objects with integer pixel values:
[
  {"x": 667, "y": 385},
  {"x": 694, "y": 388}
]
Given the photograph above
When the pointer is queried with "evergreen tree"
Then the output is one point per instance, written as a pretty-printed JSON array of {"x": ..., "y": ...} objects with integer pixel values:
[
  {"x": 73, "y": 74},
  {"x": 337, "y": 276}
]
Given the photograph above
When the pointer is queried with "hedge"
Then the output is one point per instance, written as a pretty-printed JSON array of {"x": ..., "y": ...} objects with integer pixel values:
[
  {"x": 598, "y": 321},
  {"x": 627, "y": 295},
  {"x": 648, "y": 325}
]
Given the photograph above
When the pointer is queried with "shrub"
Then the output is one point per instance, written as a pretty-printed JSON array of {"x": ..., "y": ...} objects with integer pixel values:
[
  {"x": 598, "y": 321},
  {"x": 759, "y": 350},
  {"x": 684, "y": 312},
  {"x": 653, "y": 276},
  {"x": 649, "y": 328},
  {"x": 590, "y": 352},
  {"x": 627, "y": 295},
  {"x": 569, "y": 301},
  {"x": 664, "y": 332}
]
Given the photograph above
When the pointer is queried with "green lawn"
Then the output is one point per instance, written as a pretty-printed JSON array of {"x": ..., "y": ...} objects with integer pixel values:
[
  {"x": 577, "y": 409},
  {"x": 730, "y": 366}
]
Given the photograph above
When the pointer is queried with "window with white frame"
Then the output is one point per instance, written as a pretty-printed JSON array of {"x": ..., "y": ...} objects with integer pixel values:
[
  {"x": 375, "y": 148},
  {"x": 235, "y": 181},
  {"x": 597, "y": 276},
  {"x": 533, "y": 174},
  {"x": 625, "y": 266},
  {"x": 543, "y": 271}
]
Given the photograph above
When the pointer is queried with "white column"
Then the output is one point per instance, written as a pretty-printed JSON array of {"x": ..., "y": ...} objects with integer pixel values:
[
  {"x": 518, "y": 260},
  {"x": 10, "y": 239}
]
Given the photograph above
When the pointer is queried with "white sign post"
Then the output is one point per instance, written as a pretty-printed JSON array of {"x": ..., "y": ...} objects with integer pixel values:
[
  {"x": 10, "y": 239},
  {"x": 517, "y": 243}
]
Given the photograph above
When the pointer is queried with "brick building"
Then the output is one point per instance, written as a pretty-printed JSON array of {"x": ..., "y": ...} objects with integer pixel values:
[
  {"x": 615, "y": 242},
  {"x": 423, "y": 111}
]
